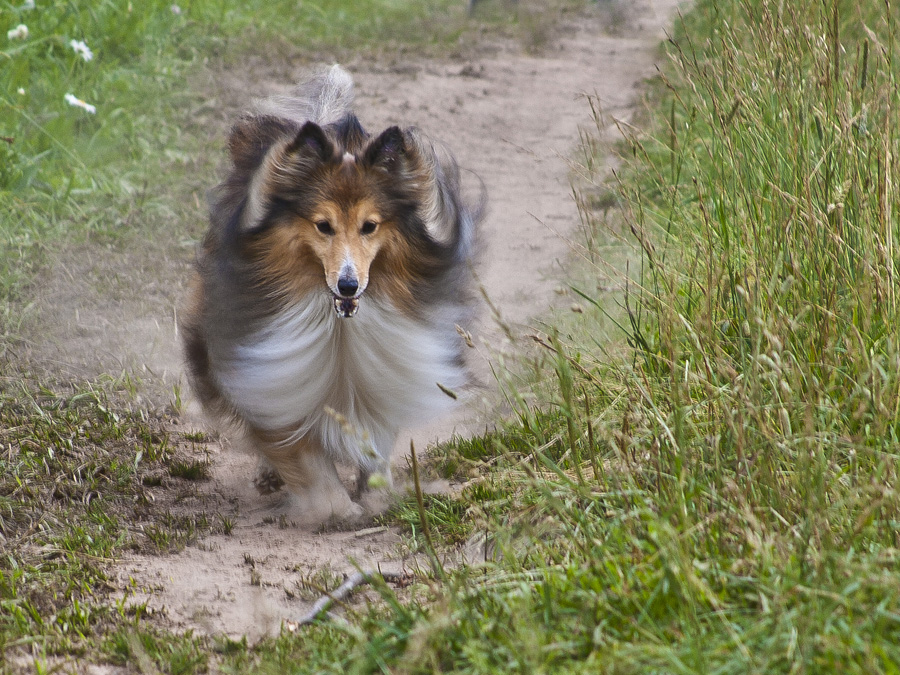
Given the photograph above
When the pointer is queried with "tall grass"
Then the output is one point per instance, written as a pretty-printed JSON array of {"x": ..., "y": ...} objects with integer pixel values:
[{"x": 769, "y": 306}]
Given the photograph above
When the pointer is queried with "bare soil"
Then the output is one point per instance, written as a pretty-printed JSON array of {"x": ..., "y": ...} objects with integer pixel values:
[{"x": 513, "y": 119}]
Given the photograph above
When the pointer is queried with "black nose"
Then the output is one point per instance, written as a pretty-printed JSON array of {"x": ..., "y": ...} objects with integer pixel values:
[{"x": 347, "y": 286}]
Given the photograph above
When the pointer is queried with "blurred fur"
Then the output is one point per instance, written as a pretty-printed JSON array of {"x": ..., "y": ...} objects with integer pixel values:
[{"x": 323, "y": 313}]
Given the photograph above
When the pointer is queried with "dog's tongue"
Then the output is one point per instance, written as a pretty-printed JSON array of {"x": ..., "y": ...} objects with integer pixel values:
[{"x": 346, "y": 307}]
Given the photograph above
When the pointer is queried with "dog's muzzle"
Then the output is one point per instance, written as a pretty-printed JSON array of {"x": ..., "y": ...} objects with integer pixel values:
[{"x": 345, "y": 307}]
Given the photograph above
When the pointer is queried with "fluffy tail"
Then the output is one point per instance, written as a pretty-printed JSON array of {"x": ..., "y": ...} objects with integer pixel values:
[
  {"x": 450, "y": 218},
  {"x": 324, "y": 99}
]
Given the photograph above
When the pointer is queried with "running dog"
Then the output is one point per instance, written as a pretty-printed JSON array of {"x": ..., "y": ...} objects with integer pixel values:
[{"x": 324, "y": 313}]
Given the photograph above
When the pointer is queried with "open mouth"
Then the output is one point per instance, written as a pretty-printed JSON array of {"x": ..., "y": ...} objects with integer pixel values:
[{"x": 345, "y": 307}]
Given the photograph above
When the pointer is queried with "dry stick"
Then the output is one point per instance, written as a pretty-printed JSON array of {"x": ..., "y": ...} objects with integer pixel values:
[
  {"x": 420, "y": 501},
  {"x": 340, "y": 594}
]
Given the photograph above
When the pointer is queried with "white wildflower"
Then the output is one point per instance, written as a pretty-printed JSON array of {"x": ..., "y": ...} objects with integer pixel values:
[
  {"x": 82, "y": 49},
  {"x": 78, "y": 103},
  {"x": 20, "y": 32},
  {"x": 176, "y": 10},
  {"x": 28, "y": 4},
  {"x": 20, "y": 91}
]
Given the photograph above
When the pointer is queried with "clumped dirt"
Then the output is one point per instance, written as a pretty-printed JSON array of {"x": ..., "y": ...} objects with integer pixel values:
[{"x": 513, "y": 119}]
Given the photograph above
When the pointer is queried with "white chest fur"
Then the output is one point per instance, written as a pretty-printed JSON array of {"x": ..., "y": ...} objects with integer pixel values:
[{"x": 379, "y": 370}]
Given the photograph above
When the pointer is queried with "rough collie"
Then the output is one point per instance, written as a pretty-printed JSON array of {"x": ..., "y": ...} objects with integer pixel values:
[{"x": 323, "y": 316}]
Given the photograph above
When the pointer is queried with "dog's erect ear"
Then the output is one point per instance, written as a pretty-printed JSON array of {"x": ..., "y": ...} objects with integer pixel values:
[
  {"x": 278, "y": 165},
  {"x": 252, "y": 136},
  {"x": 311, "y": 141},
  {"x": 386, "y": 150}
]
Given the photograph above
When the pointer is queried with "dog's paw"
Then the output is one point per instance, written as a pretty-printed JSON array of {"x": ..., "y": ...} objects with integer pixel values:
[
  {"x": 353, "y": 517},
  {"x": 323, "y": 510},
  {"x": 353, "y": 514},
  {"x": 267, "y": 480},
  {"x": 377, "y": 502}
]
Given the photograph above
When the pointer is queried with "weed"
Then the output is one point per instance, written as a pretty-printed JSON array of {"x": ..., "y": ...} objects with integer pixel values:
[
  {"x": 197, "y": 437},
  {"x": 190, "y": 469}
]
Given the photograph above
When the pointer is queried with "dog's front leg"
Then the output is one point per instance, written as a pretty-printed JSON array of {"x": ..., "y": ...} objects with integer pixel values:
[{"x": 317, "y": 495}]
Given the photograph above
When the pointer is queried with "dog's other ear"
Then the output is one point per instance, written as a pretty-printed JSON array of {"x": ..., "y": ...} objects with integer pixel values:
[
  {"x": 387, "y": 150},
  {"x": 279, "y": 160},
  {"x": 311, "y": 141},
  {"x": 252, "y": 136}
]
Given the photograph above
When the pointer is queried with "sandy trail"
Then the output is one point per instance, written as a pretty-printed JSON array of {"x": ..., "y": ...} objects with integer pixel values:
[{"x": 511, "y": 118}]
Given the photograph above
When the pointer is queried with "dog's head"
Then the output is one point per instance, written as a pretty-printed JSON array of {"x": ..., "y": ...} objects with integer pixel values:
[{"x": 324, "y": 208}]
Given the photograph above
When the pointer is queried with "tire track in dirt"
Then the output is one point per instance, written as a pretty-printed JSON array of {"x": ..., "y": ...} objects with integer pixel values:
[{"x": 513, "y": 120}]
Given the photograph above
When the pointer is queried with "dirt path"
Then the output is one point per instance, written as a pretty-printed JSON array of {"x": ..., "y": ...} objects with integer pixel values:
[{"x": 512, "y": 119}]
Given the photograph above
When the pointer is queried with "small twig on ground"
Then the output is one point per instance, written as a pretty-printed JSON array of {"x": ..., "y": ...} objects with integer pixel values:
[
  {"x": 358, "y": 534},
  {"x": 341, "y": 593}
]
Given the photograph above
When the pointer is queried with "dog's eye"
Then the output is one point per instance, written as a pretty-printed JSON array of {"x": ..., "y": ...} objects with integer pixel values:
[
  {"x": 324, "y": 227},
  {"x": 369, "y": 227}
]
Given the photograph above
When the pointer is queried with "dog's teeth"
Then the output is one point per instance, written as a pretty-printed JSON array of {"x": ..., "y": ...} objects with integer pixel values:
[{"x": 346, "y": 307}]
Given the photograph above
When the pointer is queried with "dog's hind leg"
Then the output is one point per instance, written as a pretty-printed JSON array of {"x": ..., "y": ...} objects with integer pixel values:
[
  {"x": 375, "y": 464},
  {"x": 374, "y": 489},
  {"x": 374, "y": 479},
  {"x": 309, "y": 475}
]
